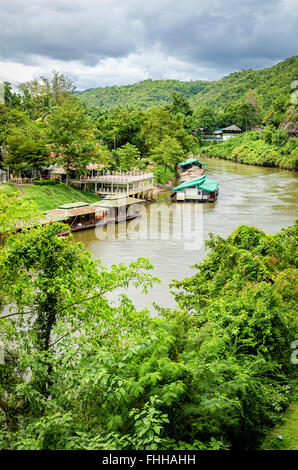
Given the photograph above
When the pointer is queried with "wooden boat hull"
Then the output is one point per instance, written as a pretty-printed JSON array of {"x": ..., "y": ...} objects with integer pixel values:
[{"x": 98, "y": 223}]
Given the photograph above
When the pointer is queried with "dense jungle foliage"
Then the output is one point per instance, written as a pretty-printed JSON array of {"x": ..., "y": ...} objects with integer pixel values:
[
  {"x": 144, "y": 94},
  {"x": 276, "y": 149},
  {"x": 80, "y": 373},
  {"x": 270, "y": 85}
]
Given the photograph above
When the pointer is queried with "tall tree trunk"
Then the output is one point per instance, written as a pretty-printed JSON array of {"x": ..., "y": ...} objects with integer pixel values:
[{"x": 177, "y": 176}]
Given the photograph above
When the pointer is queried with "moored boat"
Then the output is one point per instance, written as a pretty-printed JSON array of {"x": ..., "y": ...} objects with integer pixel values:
[{"x": 81, "y": 215}]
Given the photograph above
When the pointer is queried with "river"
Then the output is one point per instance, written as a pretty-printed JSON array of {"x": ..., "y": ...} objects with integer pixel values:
[{"x": 172, "y": 235}]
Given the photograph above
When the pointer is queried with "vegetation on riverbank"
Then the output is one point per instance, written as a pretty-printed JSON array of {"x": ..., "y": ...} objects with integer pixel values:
[
  {"x": 276, "y": 149},
  {"x": 213, "y": 373}
]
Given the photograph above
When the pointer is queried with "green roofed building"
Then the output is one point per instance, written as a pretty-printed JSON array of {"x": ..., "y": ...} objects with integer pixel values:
[
  {"x": 199, "y": 189},
  {"x": 190, "y": 162}
]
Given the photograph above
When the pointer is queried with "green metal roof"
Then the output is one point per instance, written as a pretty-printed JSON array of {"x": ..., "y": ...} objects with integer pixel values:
[
  {"x": 189, "y": 183},
  {"x": 202, "y": 183},
  {"x": 209, "y": 185},
  {"x": 191, "y": 160}
]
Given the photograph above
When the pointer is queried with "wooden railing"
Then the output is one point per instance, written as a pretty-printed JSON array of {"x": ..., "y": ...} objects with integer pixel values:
[{"x": 124, "y": 190}]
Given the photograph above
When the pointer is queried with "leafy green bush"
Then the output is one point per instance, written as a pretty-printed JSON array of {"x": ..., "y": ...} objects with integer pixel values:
[
  {"x": 163, "y": 174},
  {"x": 46, "y": 182}
]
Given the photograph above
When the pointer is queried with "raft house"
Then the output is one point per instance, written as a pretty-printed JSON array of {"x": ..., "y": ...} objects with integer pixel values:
[
  {"x": 137, "y": 183},
  {"x": 191, "y": 168},
  {"x": 81, "y": 215},
  {"x": 190, "y": 163},
  {"x": 201, "y": 189}
]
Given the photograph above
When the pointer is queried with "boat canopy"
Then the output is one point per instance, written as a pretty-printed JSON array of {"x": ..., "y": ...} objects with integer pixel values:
[
  {"x": 209, "y": 185},
  {"x": 202, "y": 183},
  {"x": 191, "y": 160},
  {"x": 108, "y": 203},
  {"x": 73, "y": 205}
]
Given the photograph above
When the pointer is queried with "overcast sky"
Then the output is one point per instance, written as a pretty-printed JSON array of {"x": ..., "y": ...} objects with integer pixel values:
[{"x": 113, "y": 42}]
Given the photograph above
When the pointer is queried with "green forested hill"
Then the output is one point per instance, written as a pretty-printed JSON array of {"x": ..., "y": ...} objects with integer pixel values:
[
  {"x": 143, "y": 94},
  {"x": 269, "y": 84}
]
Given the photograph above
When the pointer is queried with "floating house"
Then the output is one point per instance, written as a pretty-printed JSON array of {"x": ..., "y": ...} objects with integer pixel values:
[
  {"x": 191, "y": 162},
  {"x": 81, "y": 215},
  {"x": 201, "y": 189},
  {"x": 191, "y": 168}
]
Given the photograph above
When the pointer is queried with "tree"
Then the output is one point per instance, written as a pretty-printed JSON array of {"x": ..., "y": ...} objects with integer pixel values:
[
  {"x": 180, "y": 104},
  {"x": 11, "y": 118},
  {"x": 26, "y": 146},
  {"x": 128, "y": 158},
  {"x": 16, "y": 212},
  {"x": 80, "y": 373},
  {"x": 276, "y": 112},
  {"x": 243, "y": 114},
  {"x": 204, "y": 117},
  {"x": 168, "y": 154},
  {"x": 240, "y": 340},
  {"x": 11, "y": 99},
  {"x": 40, "y": 96},
  {"x": 72, "y": 138},
  {"x": 119, "y": 126},
  {"x": 160, "y": 123},
  {"x": 253, "y": 99},
  {"x": 53, "y": 289}
]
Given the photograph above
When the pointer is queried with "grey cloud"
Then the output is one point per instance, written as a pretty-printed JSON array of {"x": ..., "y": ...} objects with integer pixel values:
[
  {"x": 47, "y": 29},
  {"x": 230, "y": 33},
  {"x": 220, "y": 36}
]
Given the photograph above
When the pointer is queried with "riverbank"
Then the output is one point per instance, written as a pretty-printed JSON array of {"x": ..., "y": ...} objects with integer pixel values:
[
  {"x": 48, "y": 197},
  {"x": 250, "y": 149}
]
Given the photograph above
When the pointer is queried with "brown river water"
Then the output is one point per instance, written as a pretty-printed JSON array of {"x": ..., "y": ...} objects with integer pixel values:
[{"x": 172, "y": 235}]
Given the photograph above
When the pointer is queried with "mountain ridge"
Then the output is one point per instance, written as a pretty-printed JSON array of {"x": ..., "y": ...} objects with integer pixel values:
[{"x": 269, "y": 84}]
